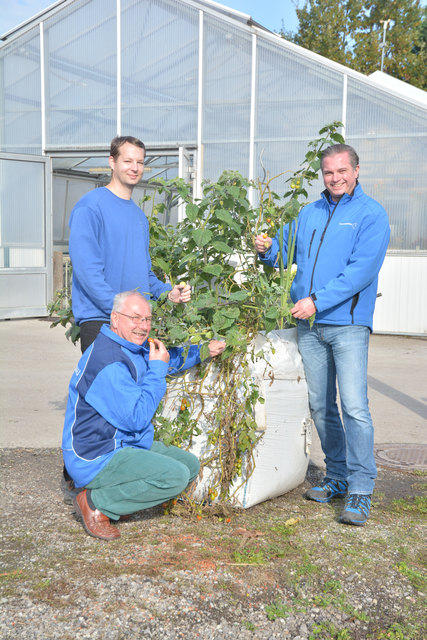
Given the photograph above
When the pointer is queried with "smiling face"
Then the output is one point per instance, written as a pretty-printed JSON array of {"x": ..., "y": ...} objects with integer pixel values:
[
  {"x": 133, "y": 321},
  {"x": 127, "y": 169},
  {"x": 338, "y": 175}
]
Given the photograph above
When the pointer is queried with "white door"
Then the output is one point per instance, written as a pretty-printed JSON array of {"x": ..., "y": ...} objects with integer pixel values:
[{"x": 25, "y": 236}]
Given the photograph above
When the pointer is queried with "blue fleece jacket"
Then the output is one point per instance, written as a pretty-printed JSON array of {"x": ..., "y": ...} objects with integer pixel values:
[
  {"x": 339, "y": 251},
  {"x": 113, "y": 395},
  {"x": 109, "y": 250}
]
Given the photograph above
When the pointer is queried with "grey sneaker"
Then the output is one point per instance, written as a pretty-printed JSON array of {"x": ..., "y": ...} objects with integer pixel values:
[
  {"x": 327, "y": 490},
  {"x": 356, "y": 509},
  {"x": 69, "y": 490}
]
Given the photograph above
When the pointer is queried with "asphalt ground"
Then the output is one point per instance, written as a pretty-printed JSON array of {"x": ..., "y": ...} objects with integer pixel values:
[{"x": 37, "y": 361}]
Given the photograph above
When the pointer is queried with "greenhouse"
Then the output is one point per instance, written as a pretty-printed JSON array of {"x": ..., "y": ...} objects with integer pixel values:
[{"x": 207, "y": 89}]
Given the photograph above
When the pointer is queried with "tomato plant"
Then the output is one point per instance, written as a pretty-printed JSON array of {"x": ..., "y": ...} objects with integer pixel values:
[{"x": 234, "y": 298}]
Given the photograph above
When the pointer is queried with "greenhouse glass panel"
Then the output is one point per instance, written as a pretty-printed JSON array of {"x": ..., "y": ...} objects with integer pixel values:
[
  {"x": 21, "y": 219},
  {"x": 227, "y": 83},
  {"x": 225, "y": 156},
  {"x": 378, "y": 114},
  {"x": 390, "y": 137},
  {"x": 160, "y": 71},
  {"x": 277, "y": 161},
  {"x": 296, "y": 96},
  {"x": 81, "y": 82},
  {"x": 392, "y": 173},
  {"x": 20, "y": 95}
]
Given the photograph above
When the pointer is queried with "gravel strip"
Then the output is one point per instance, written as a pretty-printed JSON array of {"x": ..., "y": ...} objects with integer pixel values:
[{"x": 284, "y": 569}]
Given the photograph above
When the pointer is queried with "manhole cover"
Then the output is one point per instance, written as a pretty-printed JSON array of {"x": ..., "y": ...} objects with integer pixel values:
[{"x": 402, "y": 456}]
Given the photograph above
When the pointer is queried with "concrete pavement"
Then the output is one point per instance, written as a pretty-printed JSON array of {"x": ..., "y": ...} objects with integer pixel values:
[{"x": 36, "y": 363}]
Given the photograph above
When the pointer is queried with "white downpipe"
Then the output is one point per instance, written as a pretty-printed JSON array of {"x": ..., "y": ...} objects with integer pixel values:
[
  {"x": 344, "y": 104},
  {"x": 42, "y": 88},
  {"x": 119, "y": 67},
  {"x": 252, "y": 118},
  {"x": 199, "y": 173}
]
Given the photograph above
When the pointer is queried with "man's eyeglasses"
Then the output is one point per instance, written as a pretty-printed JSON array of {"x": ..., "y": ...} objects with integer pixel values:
[{"x": 136, "y": 319}]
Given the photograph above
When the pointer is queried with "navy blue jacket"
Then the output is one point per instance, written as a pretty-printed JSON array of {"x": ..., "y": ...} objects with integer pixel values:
[{"x": 113, "y": 395}]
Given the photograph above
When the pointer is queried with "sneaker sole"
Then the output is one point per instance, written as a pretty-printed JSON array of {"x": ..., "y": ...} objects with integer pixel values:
[
  {"x": 325, "y": 500},
  {"x": 355, "y": 523}
]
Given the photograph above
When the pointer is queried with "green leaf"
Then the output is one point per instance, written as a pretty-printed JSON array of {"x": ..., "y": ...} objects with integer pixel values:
[
  {"x": 192, "y": 211},
  {"x": 222, "y": 247},
  {"x": 204, "y": 351},
  {"x": 226, "y": 217},
  {"x": 231, "y": 312},
  {"x": 221, "y": 322},
  {"x": 270, "y": 324},
  {"x": 337, "y": 137},
  {"x": 272, "y": 313},
  {"x": 213, "y": 269},
  {"x": 162, "y": 264},
  {"x": 239, "y": 296},
  {"x": 178, "y": 334},
  {"x": 201, "y": 236},
  {"x": 205, "y": 300}
]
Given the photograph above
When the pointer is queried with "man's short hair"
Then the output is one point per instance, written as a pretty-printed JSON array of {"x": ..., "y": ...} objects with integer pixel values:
[
  {"x": 120, "y": 299},
  {"x": 340, "y": 148},
  {"x": 119, "y": 141}
]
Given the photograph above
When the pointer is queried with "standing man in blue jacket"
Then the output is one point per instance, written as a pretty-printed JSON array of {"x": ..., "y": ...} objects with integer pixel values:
[
  {"x": 109, "y": 244},
  {"x": 340, "y": 246},
  {"x": 107, "y": 442}
]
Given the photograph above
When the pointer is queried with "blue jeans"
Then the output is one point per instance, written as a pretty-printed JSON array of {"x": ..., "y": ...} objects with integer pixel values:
[{"x": 340, "y": 353}]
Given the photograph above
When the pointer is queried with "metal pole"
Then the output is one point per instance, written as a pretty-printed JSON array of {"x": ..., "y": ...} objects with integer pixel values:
[{"x": 382, "y": 45}]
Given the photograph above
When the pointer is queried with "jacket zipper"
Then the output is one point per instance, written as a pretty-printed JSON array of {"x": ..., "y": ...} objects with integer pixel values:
[
  {"x": 311, "y": 242},
  {"x": 318, "y": 248}
]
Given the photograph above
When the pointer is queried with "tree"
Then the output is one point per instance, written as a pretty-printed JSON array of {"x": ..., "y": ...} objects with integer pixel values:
[
  {"x": 402, "y": 37},
  {"x": 327, "y": 27},
  {"x": 352, "y": 33}
]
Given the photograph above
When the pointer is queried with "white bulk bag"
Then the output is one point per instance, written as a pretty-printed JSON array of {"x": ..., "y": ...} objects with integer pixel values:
[{"x": 281, "y": 455}]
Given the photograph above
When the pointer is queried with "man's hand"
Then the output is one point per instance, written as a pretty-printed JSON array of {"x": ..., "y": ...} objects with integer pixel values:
[
  {"x": 304, "y": 309},
  {"x": 158, "y": 350},
  {"x": 263, "y": 242},
  {"x": 180, "y": 293},
  {"x": 216, "y": 347}
]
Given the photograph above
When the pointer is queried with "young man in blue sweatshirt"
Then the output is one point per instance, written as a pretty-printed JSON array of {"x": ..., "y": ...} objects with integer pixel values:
[
  {"x": 340, "y": 246},
  {"x": 109, "y": 244},
  {"x": 108, "y": 438}
]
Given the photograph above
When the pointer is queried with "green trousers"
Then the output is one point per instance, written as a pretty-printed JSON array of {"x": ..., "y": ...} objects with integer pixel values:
[{"x": 136, "y": 479}]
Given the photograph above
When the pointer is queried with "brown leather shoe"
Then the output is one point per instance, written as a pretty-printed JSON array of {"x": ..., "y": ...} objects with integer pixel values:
[{"x": 95, "y": 522}]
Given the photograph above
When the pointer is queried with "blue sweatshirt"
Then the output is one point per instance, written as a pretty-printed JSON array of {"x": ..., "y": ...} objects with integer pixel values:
[
  {"x": 109, "y": 250},
  {"x": 339, "y": 251},
  {"x": 113, "y": 395}
]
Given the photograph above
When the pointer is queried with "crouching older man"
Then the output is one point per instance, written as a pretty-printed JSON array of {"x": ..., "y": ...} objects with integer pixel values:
[{"x": 107, "y": 440}]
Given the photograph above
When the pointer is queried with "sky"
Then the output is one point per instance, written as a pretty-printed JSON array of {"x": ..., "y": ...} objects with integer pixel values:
[{"x": 269, "y": 13}]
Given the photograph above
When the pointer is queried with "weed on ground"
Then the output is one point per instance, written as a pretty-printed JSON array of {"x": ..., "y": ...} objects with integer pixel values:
[{"x": 283, "y": 569}]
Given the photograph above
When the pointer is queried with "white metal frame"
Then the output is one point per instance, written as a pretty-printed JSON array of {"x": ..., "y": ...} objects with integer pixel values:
[{"x": 47, "y": 270}]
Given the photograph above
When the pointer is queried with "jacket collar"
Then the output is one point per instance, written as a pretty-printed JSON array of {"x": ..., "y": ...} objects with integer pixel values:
[
  {"x": 135, "y": 348},
  {"x": 358, "y": 191}
]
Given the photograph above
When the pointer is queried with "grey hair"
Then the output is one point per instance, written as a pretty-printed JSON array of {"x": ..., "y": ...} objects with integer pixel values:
[
  {"x": 340, "y": 148},
  {"x": 120, "y": 298}
]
